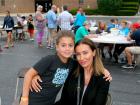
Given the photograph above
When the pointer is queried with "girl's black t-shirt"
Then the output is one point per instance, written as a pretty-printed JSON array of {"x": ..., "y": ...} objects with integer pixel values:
[{"x": 53, "y": 73}]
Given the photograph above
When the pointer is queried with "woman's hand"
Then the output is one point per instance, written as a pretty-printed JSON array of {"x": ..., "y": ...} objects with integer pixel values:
[
  {"x": 107, "y": 75},
  {"x": 35, "y": 85}
]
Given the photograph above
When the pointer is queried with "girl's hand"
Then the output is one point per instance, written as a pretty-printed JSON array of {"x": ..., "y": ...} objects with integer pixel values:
[
  {"x": 35, "y": 85},
  {"x": 24, "y": 101},
  {"x": 107, "y": 75}
]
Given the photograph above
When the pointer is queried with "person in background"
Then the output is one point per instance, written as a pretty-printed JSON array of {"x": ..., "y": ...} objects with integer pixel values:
[
  {"x": 80, "y": 19},
  {"x": 124, "y": 30},
  {"x": 83, "y": 32},
  {"x": 65, "y": 19},
  {"x": 30, "y": 25},
  {"x": 131, "y": 50},
  {"x": 8, "y": 25},
  {"x": 119, "y": 48},
  {"x": 85, "y": 85},
  {"x": 40, "y": 25},
  {"x": 113, "y": 24},
  {"x": 117, "y": 25},
  {"x": 52, "y": 26},
  {"x": 102, "y": 28}
]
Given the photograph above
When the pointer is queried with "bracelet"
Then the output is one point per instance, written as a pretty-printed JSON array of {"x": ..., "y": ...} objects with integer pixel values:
[{"x": 24, "y": 98}]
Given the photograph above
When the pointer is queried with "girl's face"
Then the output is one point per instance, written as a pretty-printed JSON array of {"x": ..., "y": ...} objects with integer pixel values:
[
  {"x": 84, "y": 55},
  {"x": 102, "y": 25},
  {"x": 65, "y": 47}
]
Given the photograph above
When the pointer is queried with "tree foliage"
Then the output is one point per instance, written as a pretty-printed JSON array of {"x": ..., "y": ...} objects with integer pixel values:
[{"x": 109, "y": 6}]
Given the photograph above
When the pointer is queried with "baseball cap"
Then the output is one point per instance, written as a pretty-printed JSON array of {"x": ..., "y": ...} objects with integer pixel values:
[{"x": 135, "y": 25}]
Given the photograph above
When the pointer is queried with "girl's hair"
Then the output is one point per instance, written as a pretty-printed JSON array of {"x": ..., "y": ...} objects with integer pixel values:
[
  {"x": 98, "y": 66},
  {"x": 64, "y": 33},
  {"x": 99, "y": 25}
]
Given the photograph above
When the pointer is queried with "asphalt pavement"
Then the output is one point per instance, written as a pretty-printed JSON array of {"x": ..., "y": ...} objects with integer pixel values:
[{"x": 124, "y": 88}]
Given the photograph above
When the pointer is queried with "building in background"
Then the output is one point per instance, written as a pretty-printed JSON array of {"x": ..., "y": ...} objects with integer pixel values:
[{"x": 29, "y": 6}]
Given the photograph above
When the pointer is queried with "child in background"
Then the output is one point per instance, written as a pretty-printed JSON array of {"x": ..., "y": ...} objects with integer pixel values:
[{"x": 30, "y": 27}]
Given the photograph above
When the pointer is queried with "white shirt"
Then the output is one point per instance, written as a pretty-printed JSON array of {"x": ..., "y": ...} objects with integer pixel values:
[{"x": 64, "y": 20}]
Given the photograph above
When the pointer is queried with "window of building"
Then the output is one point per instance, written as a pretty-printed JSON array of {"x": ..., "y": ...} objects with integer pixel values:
[
  {"x": 81, "y": 1},
  {"x": 2, "y": 2}
]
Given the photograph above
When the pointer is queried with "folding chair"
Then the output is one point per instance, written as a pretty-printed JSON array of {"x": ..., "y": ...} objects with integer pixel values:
[
  {"x": 20, "y": 75},
  {"x": 109, "y": 99},
  {"x": 137, "y": 60}
]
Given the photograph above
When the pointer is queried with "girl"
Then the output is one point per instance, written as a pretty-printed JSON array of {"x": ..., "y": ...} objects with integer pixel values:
[
  {"x": 53, "y": 71},
  {"x": 30, "y": 27}
]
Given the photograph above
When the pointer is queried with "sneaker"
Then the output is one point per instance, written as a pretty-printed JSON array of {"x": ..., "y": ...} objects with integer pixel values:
[
  {"x": 40, "y": 45},
  {"x": 31, "y": 39},
  {"x": 128, "y": 66},
  {"x": 51, "y": 47}
]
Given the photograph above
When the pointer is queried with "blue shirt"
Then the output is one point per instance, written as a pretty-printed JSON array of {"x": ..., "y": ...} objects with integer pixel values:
[
  {"x": 124, "y": 31},
  {"x": 110, "y": 26},
  {"x": 52, "y": 19},
  {"x": 80, "y": 19}
]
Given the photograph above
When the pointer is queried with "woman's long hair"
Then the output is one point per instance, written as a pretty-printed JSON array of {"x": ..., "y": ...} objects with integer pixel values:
[{"x": 98, "y": 66}]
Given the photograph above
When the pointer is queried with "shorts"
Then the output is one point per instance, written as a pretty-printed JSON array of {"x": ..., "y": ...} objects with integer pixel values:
[
  {"x": 8, "y": 31},
  {"x": 134, "y": 49},
  {"x": 31, "y": 31}
]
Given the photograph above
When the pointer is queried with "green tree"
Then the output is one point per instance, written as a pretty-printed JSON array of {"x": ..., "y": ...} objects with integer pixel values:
[{"x": 109, "y": 6}]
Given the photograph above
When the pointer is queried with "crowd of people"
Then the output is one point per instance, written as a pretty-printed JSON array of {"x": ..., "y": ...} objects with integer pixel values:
[{"x": 77, "y": 65}]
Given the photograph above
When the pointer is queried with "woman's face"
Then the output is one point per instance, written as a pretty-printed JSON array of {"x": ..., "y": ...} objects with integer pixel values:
[
  {"x": 65, "y": 47},
  {"x": 84, "y": 55}
]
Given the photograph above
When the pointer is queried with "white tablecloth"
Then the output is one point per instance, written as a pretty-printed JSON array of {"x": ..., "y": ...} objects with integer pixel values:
[{"x": 113, "y": 39}]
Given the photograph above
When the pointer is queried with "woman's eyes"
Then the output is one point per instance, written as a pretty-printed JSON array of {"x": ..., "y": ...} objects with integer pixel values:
[{"x": 83, "y": 53}]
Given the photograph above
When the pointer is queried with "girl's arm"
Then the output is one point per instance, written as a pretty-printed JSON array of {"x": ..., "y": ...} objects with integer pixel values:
[
  {"x": 107, "y": 75},
  {"x": 26, "y": 85}
]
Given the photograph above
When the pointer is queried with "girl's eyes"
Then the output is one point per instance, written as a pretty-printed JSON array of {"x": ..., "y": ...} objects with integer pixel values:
[{"x": 70, "y": 45}]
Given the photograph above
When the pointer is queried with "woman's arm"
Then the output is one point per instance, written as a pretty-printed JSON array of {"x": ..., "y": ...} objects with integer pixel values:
[{"x": 26, "y": 85}]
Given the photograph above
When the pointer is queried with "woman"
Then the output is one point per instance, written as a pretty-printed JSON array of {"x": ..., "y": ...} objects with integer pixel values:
[
  {"x": 8, "y": 25},
  {"x": 87, "y": 80},
  {"x": 101, "y": 29},
  {"x": 40, "y": 25}
]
